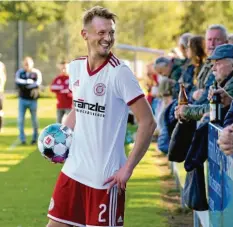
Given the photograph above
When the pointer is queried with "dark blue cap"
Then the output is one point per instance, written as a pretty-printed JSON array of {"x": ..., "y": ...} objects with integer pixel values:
[
  {"x": 161, "y": 60},
  {"x": 222, "y": 51}
]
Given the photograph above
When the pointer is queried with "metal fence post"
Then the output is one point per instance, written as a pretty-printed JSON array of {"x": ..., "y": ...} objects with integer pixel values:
[{"x": 19, "y": 43}]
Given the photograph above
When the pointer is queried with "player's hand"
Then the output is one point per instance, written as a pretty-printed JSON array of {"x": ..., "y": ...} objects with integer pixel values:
[
  {"x": 120, "y": 179},
  {"x": 225, "y": 140}
]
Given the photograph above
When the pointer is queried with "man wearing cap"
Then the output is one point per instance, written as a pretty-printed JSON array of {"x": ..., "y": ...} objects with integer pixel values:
[
  {"x": 168, "y": 67},
  {"x": 222, "y": 59}
]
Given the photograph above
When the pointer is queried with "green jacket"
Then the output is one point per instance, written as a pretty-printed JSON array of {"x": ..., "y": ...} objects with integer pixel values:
[
  {"x": 195, "y": 112},
  {"x": 204, "y": 74}
]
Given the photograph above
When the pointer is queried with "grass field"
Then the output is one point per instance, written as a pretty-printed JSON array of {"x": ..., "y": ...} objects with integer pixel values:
[{"x": 27, "y": 180}]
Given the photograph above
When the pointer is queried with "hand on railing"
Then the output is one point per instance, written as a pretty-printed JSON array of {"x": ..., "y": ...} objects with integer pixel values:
[{"x": 225, "y": 140}]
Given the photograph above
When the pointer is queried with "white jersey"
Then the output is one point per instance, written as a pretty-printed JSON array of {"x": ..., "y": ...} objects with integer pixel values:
[{"x": 101, "y": 99}]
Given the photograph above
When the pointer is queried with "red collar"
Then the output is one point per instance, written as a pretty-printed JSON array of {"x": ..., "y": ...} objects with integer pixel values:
[{"x": 91, "y": 73}]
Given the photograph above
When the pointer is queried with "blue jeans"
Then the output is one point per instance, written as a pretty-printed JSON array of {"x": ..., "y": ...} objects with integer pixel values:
[{"x": 25, "y": 104}]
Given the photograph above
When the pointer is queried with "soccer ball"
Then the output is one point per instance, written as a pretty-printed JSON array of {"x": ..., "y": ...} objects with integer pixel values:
[{"x": 54, "y": 142}]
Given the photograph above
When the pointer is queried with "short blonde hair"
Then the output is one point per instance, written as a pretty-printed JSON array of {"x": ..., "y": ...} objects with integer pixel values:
[{"x": 98, "y": 11}]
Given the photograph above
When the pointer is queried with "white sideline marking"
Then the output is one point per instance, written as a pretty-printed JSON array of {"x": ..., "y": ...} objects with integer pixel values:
[{"x": 13, "y": 145}]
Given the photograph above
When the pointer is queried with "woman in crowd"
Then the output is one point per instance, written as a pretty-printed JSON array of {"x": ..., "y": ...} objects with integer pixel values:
[{"x": 197, "y": 55}]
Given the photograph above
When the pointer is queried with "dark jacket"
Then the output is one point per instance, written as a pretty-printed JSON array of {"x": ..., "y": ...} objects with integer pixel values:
[
  {"x": 28, "y": 83},
  {"x": 176, "y": 70},
  {"x": 187, "y": 79},
  {"x": 229, "y": 117},
  {"x": 169, "y": 125}
]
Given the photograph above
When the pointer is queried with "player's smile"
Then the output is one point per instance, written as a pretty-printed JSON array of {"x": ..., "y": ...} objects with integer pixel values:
[{"x": 105, "y": 45}]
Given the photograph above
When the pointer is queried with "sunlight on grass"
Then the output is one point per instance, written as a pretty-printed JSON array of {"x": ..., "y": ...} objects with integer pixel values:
[
  {"x": 4, "y": 169},
  {"x": 28, "y": 179},
  {"x": 144, "y": 205},
  {"x": 9, "y": 162},
  {"x": 5, "y": 156}
]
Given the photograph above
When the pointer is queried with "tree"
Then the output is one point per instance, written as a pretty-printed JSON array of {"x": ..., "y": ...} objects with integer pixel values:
[
  {"x": 198, "y": 17},
  {"x": 34, "y": 12}
]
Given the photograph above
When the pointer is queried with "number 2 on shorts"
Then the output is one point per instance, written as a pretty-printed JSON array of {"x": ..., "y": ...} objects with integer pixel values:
[{"x": 104, "y": 208}]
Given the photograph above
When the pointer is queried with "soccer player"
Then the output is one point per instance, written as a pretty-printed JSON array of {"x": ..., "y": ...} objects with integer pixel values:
[
  {"x": 90, "y": 191},
  {"x": 60, "y": 86}
]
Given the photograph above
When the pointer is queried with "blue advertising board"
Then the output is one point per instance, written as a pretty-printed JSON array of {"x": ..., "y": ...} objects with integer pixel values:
[{"x": 220, "y": 182}]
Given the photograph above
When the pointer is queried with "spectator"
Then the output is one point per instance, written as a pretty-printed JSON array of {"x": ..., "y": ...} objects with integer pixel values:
[
  {"x": 60, "y": 86},
  {"x": 165, "y": 91},
  {"x": 226, "y": 99},
  {"x": 168, "y": 68},
  {"x": 196, "y": 54},
  {"x": 162, "y": 115},
  {"x": 230, "y": 38},
  {"x": 215, "y": 36},
  {"x": 183, "y": 44},
  {"x": 2, "y": 86},
  {"x": 225, "y": 140},
  {"x": 229, "y": 116},
  {"x": 180, "y": 53},
  {"x": 28, "y": 79},
  {"x": 152, "y": 82},
  {"x": 223, "y": 71}
]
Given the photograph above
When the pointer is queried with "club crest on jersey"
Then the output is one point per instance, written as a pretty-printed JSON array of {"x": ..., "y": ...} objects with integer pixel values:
[
  {"x": 76, "y": 83},
  {"x": 99, "y": 89}
]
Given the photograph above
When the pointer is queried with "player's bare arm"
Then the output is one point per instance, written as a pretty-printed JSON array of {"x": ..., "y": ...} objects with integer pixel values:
[
  {"x": 146, "y": 127},
  {"x": 70, "y": 119}
]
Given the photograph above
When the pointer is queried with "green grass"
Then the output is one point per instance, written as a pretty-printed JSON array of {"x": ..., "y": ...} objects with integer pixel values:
[{"x": 27, "y": 180}]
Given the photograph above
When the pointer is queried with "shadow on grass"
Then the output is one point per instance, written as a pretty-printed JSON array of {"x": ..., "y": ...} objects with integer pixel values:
[
  {"x": 27, "y": 187},
  {"x": 26, "y": 190},
  {"x": 144, "y": 216}
]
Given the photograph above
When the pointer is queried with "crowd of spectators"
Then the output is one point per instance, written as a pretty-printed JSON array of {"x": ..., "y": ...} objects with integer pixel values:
[{"x": 203, "y": 60}]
